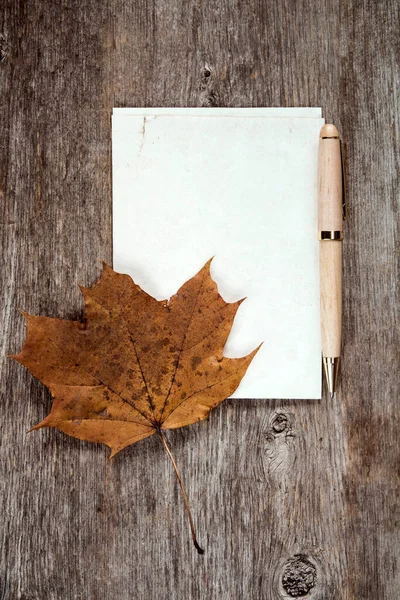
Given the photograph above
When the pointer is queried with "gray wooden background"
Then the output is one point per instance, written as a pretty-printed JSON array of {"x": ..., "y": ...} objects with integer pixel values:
[{"x": 291, "y": 499}]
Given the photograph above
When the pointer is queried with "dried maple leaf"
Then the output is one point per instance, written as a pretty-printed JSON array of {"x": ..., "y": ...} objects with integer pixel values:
[{"x": 135, "y": 366}]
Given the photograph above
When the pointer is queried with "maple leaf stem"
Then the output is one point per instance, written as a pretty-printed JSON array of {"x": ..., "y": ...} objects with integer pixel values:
[{"x": 185, "y": 498}]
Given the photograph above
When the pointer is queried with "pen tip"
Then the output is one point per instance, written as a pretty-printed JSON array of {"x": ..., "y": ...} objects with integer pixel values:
[{"x": 331, "y": 368}]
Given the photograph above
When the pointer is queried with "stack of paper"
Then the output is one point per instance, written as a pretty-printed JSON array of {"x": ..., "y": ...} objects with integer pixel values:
[{"x": 239, "y": 185}]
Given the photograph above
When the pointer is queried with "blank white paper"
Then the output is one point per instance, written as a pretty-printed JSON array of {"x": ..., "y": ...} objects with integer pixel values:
[{"x": 239, "y": 185}]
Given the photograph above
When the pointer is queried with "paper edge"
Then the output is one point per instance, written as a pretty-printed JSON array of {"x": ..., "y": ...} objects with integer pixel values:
[{"x": 270, "y": 112}]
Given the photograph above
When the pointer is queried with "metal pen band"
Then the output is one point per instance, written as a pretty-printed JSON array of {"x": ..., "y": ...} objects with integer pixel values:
[{"x": 332, "y": 236}]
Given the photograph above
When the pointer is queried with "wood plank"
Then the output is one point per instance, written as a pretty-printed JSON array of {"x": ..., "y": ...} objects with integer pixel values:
[{"x": 289, "y": 497}]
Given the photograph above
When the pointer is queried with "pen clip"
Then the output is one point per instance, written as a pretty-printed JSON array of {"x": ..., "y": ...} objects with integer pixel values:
[{"x": 344, "y": 204}]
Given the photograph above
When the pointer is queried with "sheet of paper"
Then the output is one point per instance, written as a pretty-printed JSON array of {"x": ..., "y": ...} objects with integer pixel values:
[{"x": 239, "y": 185}]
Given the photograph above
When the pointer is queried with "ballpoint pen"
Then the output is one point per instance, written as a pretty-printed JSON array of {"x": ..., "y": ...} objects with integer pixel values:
[{"x": 330, "y": 218}]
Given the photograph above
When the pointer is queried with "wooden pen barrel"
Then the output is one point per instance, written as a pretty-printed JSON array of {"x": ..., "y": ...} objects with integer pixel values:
[
  {"x": 330, "y": 181},
  {"x": 331, "y": 297},
  {"x": 330, "y": 219}
]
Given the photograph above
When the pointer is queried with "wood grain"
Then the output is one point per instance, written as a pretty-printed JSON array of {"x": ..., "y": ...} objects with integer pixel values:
[{"x": 289, "y": 498}]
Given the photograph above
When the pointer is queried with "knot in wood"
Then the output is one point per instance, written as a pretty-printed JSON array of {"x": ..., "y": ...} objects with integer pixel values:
[
  {"x": 279, "y": 423},
  {"x": 299, "y": 576},
  {"x": 4, "y": 47}
]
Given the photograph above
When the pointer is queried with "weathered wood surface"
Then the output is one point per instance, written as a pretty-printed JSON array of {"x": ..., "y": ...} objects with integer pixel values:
[{"x": 289, "y": 497}]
